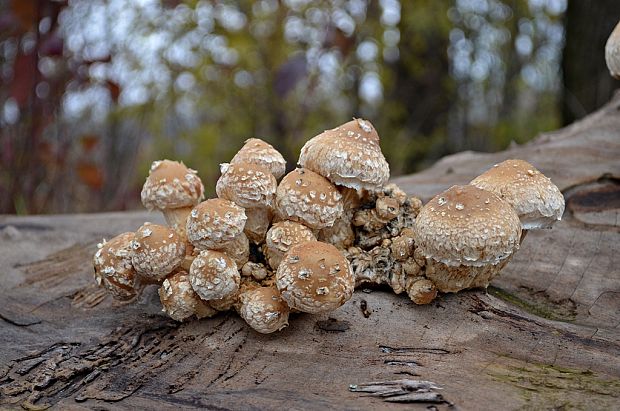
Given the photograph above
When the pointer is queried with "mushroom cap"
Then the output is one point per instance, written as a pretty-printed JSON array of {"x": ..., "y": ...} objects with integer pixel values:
[
  {"x": 538, "y": 202},
  {"x": 315, "y": 277},
  {"x": 308, "y": 198},
  {"x": 156, "y": 251},
  {"x": 257, "y": 223},
  {"x": 257, "y": 151},
  {"x": 214, "y": 275},
  {"x": 238, "y": 249},
  {"x": 264, "y": 309},
  {"x": 113, "y": 268},
  {"x": 171, "y": 184},
  {"x": 179, "y": 300},
  {"x": 612, "y": 52},
  {"x": 281, "y": 237},
  {"x": 214, "y": 222},
  {"x": 467, "y": 226},
  {"x": 247, "y": 185},
  {"x": 348, "y": 155}
]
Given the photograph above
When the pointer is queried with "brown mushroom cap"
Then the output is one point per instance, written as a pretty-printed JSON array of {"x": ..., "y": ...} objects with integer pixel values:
[
  {"x": 247, "y": 185},
  {"x": 348, "y": 155},
  {"x": 467, "y": 226},
  {"x": 113, "y": 268},
  {"x": 612, "y": 52},
  {"x": 308, "y": 198},
  {"x": 214, "y": 275},
  {"x": 171, "y": 184},
  {"x": 257, "y": 151},
  {"x": 214, "y": 222},
  {"x": 238, "y": 249},
  {"x": 264, "y": 309},
  {"x": 156, "y": 251},
  {"x": 180, "y": 301},
  {"x": 538, "y": 202},
  {"x": 315, "y": 277},
  {"x": 281, "y": 237}
]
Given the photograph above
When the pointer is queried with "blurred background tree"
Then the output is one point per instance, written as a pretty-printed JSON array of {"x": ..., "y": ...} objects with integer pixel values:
[{"x": 91, "y": 91}]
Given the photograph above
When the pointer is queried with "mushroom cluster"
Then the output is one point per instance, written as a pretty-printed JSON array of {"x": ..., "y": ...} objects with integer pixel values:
[{"x": 267, "y": 249}]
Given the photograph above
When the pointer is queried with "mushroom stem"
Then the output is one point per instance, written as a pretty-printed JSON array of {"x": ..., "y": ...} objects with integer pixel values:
[
  {"x": 176, "y": 218},
  {"x": 257, "y": 224}
]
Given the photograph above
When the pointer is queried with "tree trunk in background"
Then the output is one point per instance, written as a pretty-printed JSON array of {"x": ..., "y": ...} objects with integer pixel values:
[{"x": 586, "y": 80}]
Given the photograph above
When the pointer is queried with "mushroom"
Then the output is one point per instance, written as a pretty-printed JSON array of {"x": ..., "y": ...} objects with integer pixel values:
[
  {"x": 264, "y": 309},
  {"x": 173, "y": 189},
  {"x": 467, "y": 235},
  {"x": 538, "y": 202},
  {"x": 252, "y": 187},
  {"x": 257, "y": 151},
  {"x": 612, "y": 52},
  {"x": 281, "y": 237},
  {"x": 214, "y": 275},
  {"x": 214, "y": 222},
  {"x": 348, "y": 155},
  {"x": 113, "y": 268},
  {"x": 156, "y": 251},
  {"x": 238, "y": 249},
  {"x": 258, "y": 271},
  {"x": 180, "y": 301},
  {"x": 315, "y": 277},
  {"x": 308, "y": 198},
  {"x": 421, "y": 290}
]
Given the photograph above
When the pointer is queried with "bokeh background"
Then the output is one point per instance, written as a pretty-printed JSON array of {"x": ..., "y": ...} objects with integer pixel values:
[{"x": 91, "y": 91}]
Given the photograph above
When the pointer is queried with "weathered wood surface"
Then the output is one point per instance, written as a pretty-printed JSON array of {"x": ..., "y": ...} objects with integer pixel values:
[{"x": 546, "y": 335}]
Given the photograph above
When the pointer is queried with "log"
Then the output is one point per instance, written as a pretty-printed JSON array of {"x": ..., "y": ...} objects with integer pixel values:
[{"x": 545, "y": 334}]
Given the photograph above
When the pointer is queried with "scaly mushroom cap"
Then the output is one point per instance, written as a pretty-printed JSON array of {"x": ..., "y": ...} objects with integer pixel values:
[
  {"x": 214, "y": 222},
  {"x": 247, "y": 185},
  {"x": 281, "y": 237},
  {"x": 257, "y": 151},
  {"x": 538, "y": 202},
  {"x": 308, "y": 198},
  {"x": 171, "y": 184},
  {"x": 238, "y": 249},
  {"x": 180, "y": 301},
  {"x": 113, "y": 267},
  {"x": 315, "y": 277},
  {"x": 214, "y": 275},
  {"x": 467, "y": 226},
  {"x": 156, "y": 251},
  {"x": 348, "y": 155},
  {"x": 612, "y": 52},
  {"x": 264, "y": 309}
]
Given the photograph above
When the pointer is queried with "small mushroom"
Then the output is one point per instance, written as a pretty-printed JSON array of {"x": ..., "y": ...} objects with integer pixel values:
[
  {"x": 421, "y": 290},
  {"x": 156, "y": 251},
  {"x": 612, "y": 52},
  {"x": 214, "y": 222},
  {"x": 257, "y": 151},
  {"x": 348, "y": 155},
  {"x": 173, "y": 189},
  {"x": 538, "y": 202},
  {"x": 264, "y": 309},
  {"x": 308, "y": 198},
  {"x": 257, "y": 271},
  {"x": 214, "y": 275},
  {"x": 467, "y": 235},
  {"x": 315, "y": 277},
  {"x": 238, "y": 249},
  {"x": 113, "y": 268},
  {"x": 281, "y": 237},
  {"x": 180, "y": 301}
]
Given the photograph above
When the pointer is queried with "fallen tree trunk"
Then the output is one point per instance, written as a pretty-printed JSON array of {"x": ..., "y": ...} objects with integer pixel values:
[{"x": 545, "y": 335}]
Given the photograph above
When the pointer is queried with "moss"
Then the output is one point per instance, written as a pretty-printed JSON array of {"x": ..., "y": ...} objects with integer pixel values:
[{"x": 539, "y": 304}]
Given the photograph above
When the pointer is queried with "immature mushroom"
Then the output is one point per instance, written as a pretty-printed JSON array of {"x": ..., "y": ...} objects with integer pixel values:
[
  {"x": 264, "y": 309},
  {"x": 113, "y": 268},
  {"x": 252, "y": 187},
  {"x": 467, "y": 236},
  {"x": 257, "y": 151},
  {"x": 156, "y": 251},
  {"x": 348, "y": 155},
  {"x": 180, "y": 301},
  {"x": 315, "y": 277},
  {"x": 214, "y": 275},
  {"x": 173, "y": 189},
  {"x": 612, "y": 52},
  {"x": 214, "y": 222},
  {"x": 281, "y": 237},
  {"x": 538, "y": 202},
  {"x": 308, "y": 198}
]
